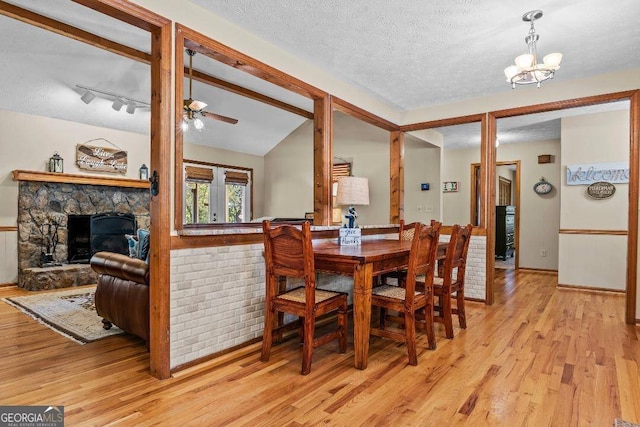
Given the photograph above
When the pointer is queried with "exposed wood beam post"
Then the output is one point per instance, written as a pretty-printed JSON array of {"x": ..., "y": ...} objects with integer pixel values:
[
  {"x": 634, "y": 193},
  {"x": 322, "y": 159},
  {"x": 396, "y": 174},
  {"x": 487, "y": 201}
]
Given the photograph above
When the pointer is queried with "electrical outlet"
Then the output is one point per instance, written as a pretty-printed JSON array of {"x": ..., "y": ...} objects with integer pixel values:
[
  {"x": 429, "y": 209},
  {"x": 419, "y": 208},
  {"x": 543, "y": 252}
]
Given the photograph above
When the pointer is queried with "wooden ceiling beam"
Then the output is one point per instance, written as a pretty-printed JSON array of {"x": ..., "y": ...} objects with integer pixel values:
[{"x": 247, "y": 93}]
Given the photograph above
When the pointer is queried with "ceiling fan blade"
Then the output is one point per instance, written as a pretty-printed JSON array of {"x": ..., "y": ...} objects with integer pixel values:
[{"x": 219, "y": 117}]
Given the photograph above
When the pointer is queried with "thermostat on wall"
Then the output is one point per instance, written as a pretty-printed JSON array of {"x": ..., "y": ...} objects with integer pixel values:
[{"x": 424, "y": 186}]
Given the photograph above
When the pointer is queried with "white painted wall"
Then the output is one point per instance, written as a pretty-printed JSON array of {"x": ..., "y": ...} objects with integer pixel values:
[
  {"x": 8, "y": 257},
  {"x": 233, "y": 158},
  {"x": 369, "y": 147},
  {"x": 288, "y": 175},
  {"x": 457, "y": 167},
  {"x": 421, "y": 165},
  {"x": 539, "y": 215},
  {"x": 594, "y": 260}
]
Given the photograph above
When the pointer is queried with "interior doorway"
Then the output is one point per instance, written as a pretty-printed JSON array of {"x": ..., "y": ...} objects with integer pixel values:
[{"x": 507, "y": 247}]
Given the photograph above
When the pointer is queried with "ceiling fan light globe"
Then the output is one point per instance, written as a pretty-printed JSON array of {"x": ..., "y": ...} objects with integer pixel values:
[
  {"x": 184, "y": 125},
  {"x": 197, "y": 105},
  {"x": 198, "y": 124}
]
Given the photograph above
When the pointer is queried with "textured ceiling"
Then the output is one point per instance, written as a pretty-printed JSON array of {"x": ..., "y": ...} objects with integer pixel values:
[
  {"x": 412, "y": 54},
  {"x": 407, "y": 54}
]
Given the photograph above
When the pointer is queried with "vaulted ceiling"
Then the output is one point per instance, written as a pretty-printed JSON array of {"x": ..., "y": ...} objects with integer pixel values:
[{"x": 408, "y": 55}]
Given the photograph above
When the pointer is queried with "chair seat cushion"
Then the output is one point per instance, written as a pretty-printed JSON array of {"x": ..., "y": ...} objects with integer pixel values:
[
  {"x": 388, "y": 291},
  {"x": 298, "y": 295}
]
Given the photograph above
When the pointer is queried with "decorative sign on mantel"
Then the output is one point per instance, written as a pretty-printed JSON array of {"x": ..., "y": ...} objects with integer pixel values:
[
  {"x": 589, "y": 173},
  {"x": 101, "y": 159}
]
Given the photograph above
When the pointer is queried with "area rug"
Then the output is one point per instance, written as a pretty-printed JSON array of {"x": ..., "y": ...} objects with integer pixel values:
[{"x": 71, "y": 313}]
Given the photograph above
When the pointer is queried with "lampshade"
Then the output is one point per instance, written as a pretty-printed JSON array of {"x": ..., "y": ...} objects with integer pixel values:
[{"x": 352, "y": 190}]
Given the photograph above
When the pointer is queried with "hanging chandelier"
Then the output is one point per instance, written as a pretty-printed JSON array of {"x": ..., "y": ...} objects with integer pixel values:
[{"x": 527, "y": 69}]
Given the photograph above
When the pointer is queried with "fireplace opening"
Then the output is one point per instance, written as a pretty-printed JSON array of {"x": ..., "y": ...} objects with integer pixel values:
[{"x": 88, "y": 234}]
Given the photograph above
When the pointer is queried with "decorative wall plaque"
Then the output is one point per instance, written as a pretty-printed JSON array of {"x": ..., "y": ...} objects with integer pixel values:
[
  {"x": 450, "y": 186},
  {"x": 601, "y": 190},
  {"x": 101, "y": 159}
]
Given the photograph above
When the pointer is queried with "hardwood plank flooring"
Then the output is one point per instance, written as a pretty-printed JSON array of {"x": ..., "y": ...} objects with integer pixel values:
[{"x": 541, "y": 356}]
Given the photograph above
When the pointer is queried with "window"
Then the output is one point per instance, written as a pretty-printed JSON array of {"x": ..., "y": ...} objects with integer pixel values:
[
  {"x": 217, "y": 194},
  {"x": 339, "y": 169}
]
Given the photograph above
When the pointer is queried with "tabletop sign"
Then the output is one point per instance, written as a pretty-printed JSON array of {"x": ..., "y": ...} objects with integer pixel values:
[
  {"x": 101, "y": 159},
  {"x": 601, "y": 190},
  {"x": 350, "y": 236}
]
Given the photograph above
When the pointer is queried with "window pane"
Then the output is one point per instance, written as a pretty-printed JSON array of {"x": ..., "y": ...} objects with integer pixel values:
[
  {"x": 188, "y": 202},
  {"x": 234, "y": 201},
  {"x": 203, "y": 203}
]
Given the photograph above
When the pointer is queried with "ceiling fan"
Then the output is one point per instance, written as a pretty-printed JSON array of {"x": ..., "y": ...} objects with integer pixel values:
[{"x": 193, "y": 108}]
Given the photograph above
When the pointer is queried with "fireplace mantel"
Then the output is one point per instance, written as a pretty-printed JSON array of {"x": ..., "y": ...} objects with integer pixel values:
[{"x": 66, "y": 178}]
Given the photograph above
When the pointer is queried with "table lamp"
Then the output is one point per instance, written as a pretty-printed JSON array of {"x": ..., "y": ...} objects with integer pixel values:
[{"x": 352, "y": 190}]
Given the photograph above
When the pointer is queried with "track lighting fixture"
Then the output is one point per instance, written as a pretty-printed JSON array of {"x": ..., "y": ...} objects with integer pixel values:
[{"x": 119, "y": 101}]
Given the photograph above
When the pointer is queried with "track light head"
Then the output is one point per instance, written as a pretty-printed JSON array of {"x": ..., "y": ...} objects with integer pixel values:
[
  {"x": 87, "y": 96},
  {"x": 131, "y": 107},
  {"x": 117, "y": 104}
]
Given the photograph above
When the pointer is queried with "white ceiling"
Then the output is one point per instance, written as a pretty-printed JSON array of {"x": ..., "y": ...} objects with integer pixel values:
[{"x": 401, "y": 53}]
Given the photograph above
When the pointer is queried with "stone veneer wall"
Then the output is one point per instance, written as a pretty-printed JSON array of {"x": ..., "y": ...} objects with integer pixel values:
[
  {"x": 39, "y": 202},
  {"x": 217, "y": 296}
]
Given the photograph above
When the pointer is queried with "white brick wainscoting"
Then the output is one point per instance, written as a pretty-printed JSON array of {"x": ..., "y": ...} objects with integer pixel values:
[{"x": 217, "y": 296}]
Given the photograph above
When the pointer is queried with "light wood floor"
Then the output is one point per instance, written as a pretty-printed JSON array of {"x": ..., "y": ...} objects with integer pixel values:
[{"x": 540, "y": 356}]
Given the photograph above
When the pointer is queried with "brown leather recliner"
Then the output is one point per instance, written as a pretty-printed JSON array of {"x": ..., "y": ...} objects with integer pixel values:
[{"x": 122, "y": 294}]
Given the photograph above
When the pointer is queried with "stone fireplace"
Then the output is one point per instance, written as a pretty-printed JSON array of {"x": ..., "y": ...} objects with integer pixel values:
[{"x": 44, "y": 209}]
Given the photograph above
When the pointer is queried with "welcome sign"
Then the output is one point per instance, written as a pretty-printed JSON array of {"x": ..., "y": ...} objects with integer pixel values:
[{"x": 589, "y": 173}]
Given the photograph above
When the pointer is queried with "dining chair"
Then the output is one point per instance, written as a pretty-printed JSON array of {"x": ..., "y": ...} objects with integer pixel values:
[
  {"x": 405, "y": 232},
  {"x": 407, "y": 300},
  {"x": 289, "y": 253},
  {"x": 451, "y": 280}
]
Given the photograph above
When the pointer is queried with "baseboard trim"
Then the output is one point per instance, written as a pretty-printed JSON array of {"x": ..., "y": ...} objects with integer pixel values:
[
  {"x": 7, "y": 285},
  {"x": 590, "y": 288},
  {"x": 538, "y": 270}
]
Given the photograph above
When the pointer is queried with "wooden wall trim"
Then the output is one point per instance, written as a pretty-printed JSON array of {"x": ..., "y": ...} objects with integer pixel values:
[
  {"x": 488, "y": 199},
  {"x": 589, "y": 288},
  {"x": 634, "y": 194},
  {"x": 396, "y": 177},
  {"x": 361, "y": 114},
  {"x": 7, "y": 228},
  {"x": 67, "y": 178},
  {"x": 593, "y": 232},
  {"x": 217, "y": 240},
  {"x": 560, "y": 105},
  {"x": 322, "y": 160},
  {"x": 442, "y": 122}
]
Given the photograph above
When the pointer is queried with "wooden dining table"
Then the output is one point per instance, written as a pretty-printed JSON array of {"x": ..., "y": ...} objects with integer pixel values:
[{"x": 363, "y": 262}]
